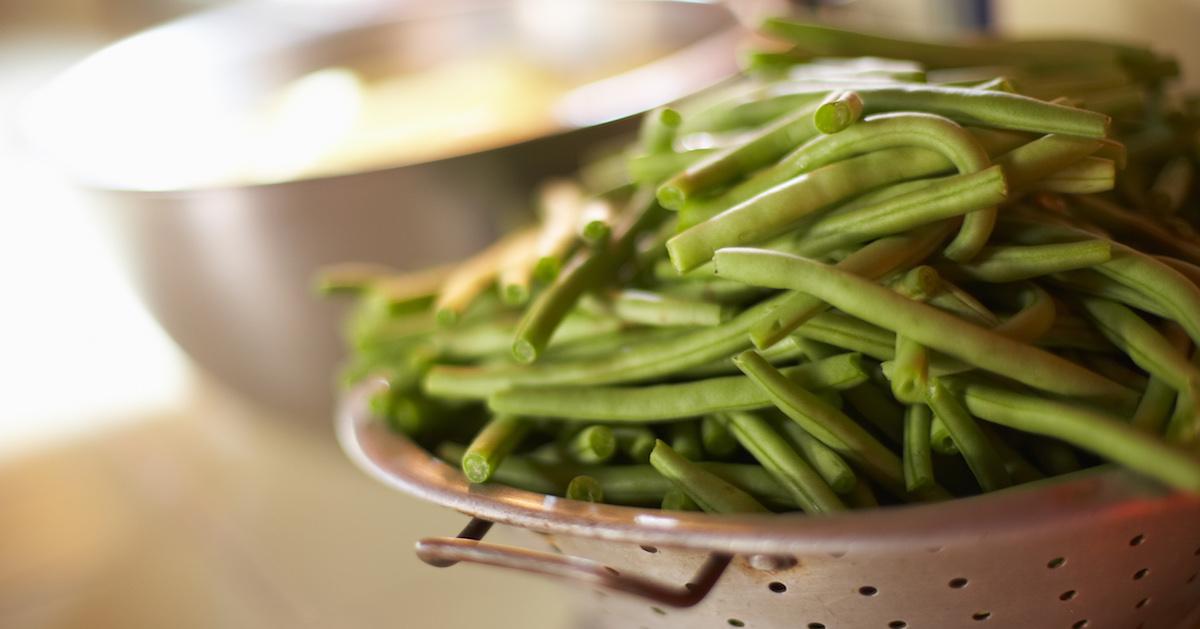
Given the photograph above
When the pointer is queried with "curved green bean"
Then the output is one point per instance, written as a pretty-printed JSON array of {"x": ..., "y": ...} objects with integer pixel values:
[
  {"x": 925, "y": 324},
  {"x": 980, "y": 455},
  {"x": 1142, "y": 343},
  {"x": 647, "y": 308},
  {"x": 829, "y": 464},
  {"x": 498, "y": 438},
  {"x": 791, "y": 470},
  {"x": 705, "y": 488},
  {"x": 1014, "y": 263},
  {"x": 918, "y": 462}
]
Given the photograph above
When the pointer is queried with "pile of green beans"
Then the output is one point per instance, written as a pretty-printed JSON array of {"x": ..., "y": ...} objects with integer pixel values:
[{"x": 909, "y": 273}]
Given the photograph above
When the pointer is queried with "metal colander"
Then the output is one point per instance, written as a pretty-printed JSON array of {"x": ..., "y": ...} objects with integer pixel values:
[{"x": 1102, "y": 550}]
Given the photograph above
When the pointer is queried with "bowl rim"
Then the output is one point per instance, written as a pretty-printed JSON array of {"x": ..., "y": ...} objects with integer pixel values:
[
  {"x": 1073, "y": 500},
  {"x": 723, "y": 40}
]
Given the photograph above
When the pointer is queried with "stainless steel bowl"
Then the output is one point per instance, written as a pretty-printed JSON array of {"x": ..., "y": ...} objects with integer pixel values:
[{"x": 226, "y": 269}]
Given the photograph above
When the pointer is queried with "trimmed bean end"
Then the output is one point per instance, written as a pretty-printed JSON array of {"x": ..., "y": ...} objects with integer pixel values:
[
  {"x": 476, "y": 467},
  {"x": 524, "y": 351}
]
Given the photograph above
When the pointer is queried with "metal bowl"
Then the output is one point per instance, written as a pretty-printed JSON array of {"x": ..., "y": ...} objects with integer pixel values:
[{"x": 226, "y": 268}]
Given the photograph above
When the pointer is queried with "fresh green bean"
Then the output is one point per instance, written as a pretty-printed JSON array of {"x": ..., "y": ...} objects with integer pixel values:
[
  {"x": 829, "y": 464},
  {"x": 852, "y": 334},
  {"x": 873, "y": 261},
  {"x": 638, "y": 485},
  {"x": 862, "y": 497},
  {"x": 939, "y": 437},
  {"x": 652, "y": 168},
  {"x": 1087, "y": 176},
  {"x": 635, "y": 441},
  {"x": 1014, "y": 263},
  {"x": 1141, "y": 342},
  {"x": 918, "y": 462},
  {"x": 951, "y": 197},
  {"x": 590, "y": 269},
  {"x": 868, "y": 399},
  {"x": 666, "y": 402},
  {"x": 838, "y": 111},
  {"x": 460, "y": 288},
  {"x": 910, "y": 371},
  {"x": 499, "y": 437},
  {"x": 974, "y": 446},
  {"x": 655, "y": 358},
  {"x": 657, "y": 134},
  {"x": 1172, "y": 185},
  {"x": 1086, "y": 429},
  {"x": 1090, "y": 282},
  {"x": 1054, "y": 457},
  {"x": 705, "y": 488},
  {"x": 684, "y": 438},
  {"x": 1027, "y": 164},
  {"x": 595, "y": 222},
  {"x": 732, "y": 162},
  {"x": 925, "y": 324},
  {"x": 718, "y": 441},
  {"x": 646, "y": 308},
  {"x": 832, "y": 427},
  {"x": 1154, "y": 409},
  {"x": 676, "y": 500},
  {"x": 594, "y": 444},
  {"x": 586, "y": 489},
  {"x": 791, "y": 470}
]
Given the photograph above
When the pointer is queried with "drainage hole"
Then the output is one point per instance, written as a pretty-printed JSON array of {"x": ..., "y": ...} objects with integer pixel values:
[
  {"x": 1137, "y": 540},
  {"x": 897, "y": 624},
  {"x": 1080, "y": 624},
  {"x": 1066, "y": 596},
  {"x": 734, "y": 622},
  {"x": 658, "y": 610},
  {"x": 1141, "y": 574},
  {"x": 981, "y": 615},
  {"x": 649, "y": 549},
  {"x": 868, "y": 590},
  {"x": 958, "y": 583},
  {"x": 1057, "y": 562},
  {"x": 613, "y": 571},
  {"x": 777, "y": 587},
  {"x": 816, "y": 625},
  {"x": 1142, "y": 603}
]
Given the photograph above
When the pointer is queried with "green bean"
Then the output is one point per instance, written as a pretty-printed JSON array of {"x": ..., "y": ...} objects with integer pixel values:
[
  {"x": 657, "y": 134},
  {"x": 593, "y": 444},
  {"x": 831, "y": 427},
  {"x": 1086, "y": 429},
  {"x": 676, "y": 500},
  {"x": 925, "y": 324},
  {"x": 1019, "y": 469},
  {"x": 1178, "y": 295},
  {"x": 560, "y": 203},
  {"x": 861, "y": 497},
  {"x": 595, "y": 222},
  {"x": 778, "y": 210},
  {"x": 1154, "y": 409},
  {"x": 1172, "y": 185},
  {"x": 1087, "y": 176},
  {"x": 585, "y": 488},
  {"x": 592, "y": 346},
  {"x": 590, "y": 269},
  {"x": 873, "y": 261},
  {"x": 718, "y": 441},
  {"x": 713, "y": 290},
  {"x": 499, "y": 437},
  {"x": 494, "y": 337},
  {"x": 852, "y": 334},
  {"x": 655, "y": 358},
  {"x": 918, "y": 462},
  {"x": 1141, "y": 342},
  {"x": 870, "y": 401},
  {"x": 778, "y": 354},
  {"x": 732, "y": 162},
  {"x": 1054, "y": 457},
  {"x": 646, "y": 308},
  {"x": 651, "y": 169},
  {"x": 838, "y": 111},
  {"x": 638, "y": 485},
  {"x": 949, "y": 198},
  {"x": 1184, "y": 424},
  {"x": 356, "y": 277},
  {"x": 918, "y": 283},
  {"x": 666, "y": 402},
  {"x": 791, "y": 470},
  {"x": 1091, "y": 282},
  {"x": 1119, "y": 220},
  {"x": 1186, "y": 269},
  {"x": 635, "y": 441},
  {"x": 749, "y": 109},
  {"x": 1070, "y": 332},
  {"x": 469, "y": 279},
  {"x": 1014, "y": 263},
  {"x": 974, "y": 446},
  {"x": 940, "y": 438},
  {"x": 684, "y": 438},
  {"x": 712, "y": 494},
  {"x": 829, "y": 464},
  {"x": 1027, "y": 164},
  {"x": 910, "y": 371}
]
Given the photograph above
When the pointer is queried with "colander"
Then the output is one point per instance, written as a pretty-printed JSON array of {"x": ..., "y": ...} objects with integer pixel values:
[{"x": 1102, "y": 549}]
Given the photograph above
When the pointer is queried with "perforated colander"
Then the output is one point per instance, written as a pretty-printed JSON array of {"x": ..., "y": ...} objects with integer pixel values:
[{"x": 1101, "y": 550}]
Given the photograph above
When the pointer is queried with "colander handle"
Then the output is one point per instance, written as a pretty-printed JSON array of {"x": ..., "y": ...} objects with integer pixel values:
[{"x": 447, "y": 551}]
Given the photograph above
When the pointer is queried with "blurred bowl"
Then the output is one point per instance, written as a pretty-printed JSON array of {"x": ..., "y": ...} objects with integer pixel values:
[{"x": 224, "y": 260}]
